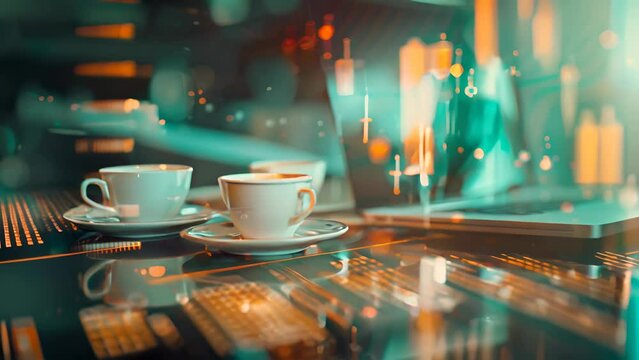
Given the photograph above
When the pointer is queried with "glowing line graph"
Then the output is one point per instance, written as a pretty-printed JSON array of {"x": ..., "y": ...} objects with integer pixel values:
[
  {"x": 396, "y": 174},
  {"x": 365, "y": 121}
]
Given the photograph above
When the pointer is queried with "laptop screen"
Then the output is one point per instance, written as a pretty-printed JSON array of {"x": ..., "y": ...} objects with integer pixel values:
[
  {"x": 412, "y": 129},
  {"x": 428, "y": 116}
]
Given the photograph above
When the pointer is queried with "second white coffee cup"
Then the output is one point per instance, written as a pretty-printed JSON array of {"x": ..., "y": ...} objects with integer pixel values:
[
  {"x": 138, "y": 193},
  {"x": 267, "y": 206}
]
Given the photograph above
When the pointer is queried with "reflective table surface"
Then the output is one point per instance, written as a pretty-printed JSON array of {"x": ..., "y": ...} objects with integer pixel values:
[{"x": 373, "y": 293}]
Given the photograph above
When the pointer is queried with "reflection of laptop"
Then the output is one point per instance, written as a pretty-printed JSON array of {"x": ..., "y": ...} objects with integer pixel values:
[{"x": 531, "y": 211}]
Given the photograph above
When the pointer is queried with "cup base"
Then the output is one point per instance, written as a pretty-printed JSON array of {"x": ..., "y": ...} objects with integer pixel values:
[{"x": 284, "y": 237}]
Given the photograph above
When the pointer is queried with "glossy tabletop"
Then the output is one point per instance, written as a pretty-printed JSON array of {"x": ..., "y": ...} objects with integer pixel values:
[{"x": 374, "y": 293}]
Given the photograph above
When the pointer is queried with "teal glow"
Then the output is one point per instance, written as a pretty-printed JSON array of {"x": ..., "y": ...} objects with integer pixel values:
[
  {"x": 8, "y": 142},
  {"x": 168, "y": 89},
  {"x": 229, "y": 12}
]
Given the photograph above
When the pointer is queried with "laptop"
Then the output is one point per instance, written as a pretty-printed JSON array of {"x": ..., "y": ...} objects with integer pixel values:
[
  {"x": 386, "y": 194},
  {"x": 560, "y": 212}
]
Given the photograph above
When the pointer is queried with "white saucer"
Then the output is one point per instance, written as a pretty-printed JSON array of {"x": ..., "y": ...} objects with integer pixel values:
[
  {"x": 88, "y": 218},
  {"x": 224, "y": 236}
]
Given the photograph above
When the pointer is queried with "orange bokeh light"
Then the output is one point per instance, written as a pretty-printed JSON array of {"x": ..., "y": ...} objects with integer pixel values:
[
  {"x": 456, "y": 70},
  {"x": 379, "y": 151},
  {"x": 157, "y": 270},
  {"x": 326, "y": 32},
  {"x": 369, "y": 312}
]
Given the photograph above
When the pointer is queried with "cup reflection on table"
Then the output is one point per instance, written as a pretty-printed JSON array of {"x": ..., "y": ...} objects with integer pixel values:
[{"x": 127, "y": 282}]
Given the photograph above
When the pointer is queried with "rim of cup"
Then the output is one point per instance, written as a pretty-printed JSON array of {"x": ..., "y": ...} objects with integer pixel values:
[
  {"x": 269, "y": 163},
  {"x": 145, "y": 168},
  {"x": 265, "y": 178}
]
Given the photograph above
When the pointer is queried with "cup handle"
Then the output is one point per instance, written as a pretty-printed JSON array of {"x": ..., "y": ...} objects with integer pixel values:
[
  {"x": 105, "y": 193},
  {"x": 224, "y": 192},
  {"x": 97, "y": 293},
  {"x": 304, "y": 213}
]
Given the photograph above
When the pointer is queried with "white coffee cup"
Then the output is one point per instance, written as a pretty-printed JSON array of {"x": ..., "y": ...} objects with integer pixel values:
[
  {"x": 139, "y": 193},
  {"x": 267, "y": 206},
  {"x": 314, "y": 168},
  {"x": 127, "y": 282}
]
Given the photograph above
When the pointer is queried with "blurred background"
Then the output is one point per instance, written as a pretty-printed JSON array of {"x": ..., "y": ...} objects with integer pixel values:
[{"x": 411, "y": 99}]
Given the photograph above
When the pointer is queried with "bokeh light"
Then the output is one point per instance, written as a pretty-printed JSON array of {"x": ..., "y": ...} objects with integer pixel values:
[
  {"x": 478, "y": 154},
  {"x": 326, "y": 32},
  {"x": 609, "y": 39},
  {"x": 229, "y": 12},
  {"x": 169, "y": 90},
  {"x": 379, "y": 150}
]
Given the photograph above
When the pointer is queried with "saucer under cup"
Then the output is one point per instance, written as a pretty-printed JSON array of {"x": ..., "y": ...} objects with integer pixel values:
[
  {"x": 92, "y": 219},
  {"x": 224, "y": 236}
]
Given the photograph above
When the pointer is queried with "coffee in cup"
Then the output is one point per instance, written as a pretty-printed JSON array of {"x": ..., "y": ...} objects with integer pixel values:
[
  {"x": 314, "y": 168},
  {"x": 138, "y": 193},
  {"x": 267, "y": 206}
]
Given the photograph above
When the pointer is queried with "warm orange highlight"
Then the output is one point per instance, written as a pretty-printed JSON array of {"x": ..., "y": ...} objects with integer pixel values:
[
  {"x": 525, "y": 9},
  {"x": 441, "y": 58},
  {"x": 157, "y": 271},
  {"x": 543, "y": 27},
  {"x": 104, "y": 146},
  {"x": 122, "y": 69},
  {"x": 379, "y": 151},
  {"x": 456, "y": 70},
  {"x": 326, "y": 32},
  {"x": 396, "y": 174},
  {"x": 126, "y": 105},
  {"x": 486, "y": 42},
  {"x": 114, "y": 31},
  {"x": 419, "y": 147},
  {"x": 369, "y": 312}
]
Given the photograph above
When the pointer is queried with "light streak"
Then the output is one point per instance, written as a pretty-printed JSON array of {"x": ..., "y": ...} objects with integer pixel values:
[
  {"x": 569, "y": 76},
  {"x": 365, "y": 120},
  {"x": 345, "y": 72},
  {"x": 486, "y": 39},
  {"x": 124, "y": 31},
  {"x": 396, "y": 175}
]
